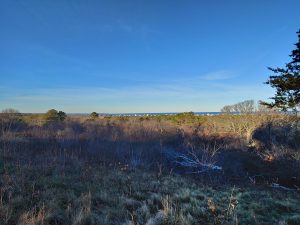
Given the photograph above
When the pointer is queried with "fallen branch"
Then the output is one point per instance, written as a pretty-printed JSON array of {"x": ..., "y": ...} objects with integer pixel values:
[
  {"x": 192, "y": 161},
  {"x": 274, "y": 185}
]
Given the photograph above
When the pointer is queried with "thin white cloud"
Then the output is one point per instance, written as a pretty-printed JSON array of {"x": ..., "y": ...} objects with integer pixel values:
[
  {"x": 187, "y": 90},
  {"x": 187, "y": 94},
  {"x": 218, "y": 75}
]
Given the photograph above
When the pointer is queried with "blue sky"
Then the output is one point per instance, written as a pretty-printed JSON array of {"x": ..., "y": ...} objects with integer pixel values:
[{"x": 141, "y": 56}]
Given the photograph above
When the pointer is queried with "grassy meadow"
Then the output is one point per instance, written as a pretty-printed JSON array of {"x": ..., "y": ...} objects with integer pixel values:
[{"x": 180, "y": 169}]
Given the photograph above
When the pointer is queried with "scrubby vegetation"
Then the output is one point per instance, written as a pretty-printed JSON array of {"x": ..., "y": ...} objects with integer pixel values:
[
  {"x": 94, "y": 115},
  {"x": 54, "y": 115},
  {"x": 181, "y": 169}
]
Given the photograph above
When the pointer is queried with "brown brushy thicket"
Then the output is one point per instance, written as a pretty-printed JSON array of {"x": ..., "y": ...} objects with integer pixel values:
[
  {"x": 250, "y": 149},
  {"x": 243, "y": 145}
]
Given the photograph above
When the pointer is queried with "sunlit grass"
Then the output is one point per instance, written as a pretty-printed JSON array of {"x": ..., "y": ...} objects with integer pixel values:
[{"x": 95, "y": 194}]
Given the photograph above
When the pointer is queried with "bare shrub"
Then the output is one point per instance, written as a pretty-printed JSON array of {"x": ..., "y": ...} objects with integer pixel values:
[
  {"x": 276, "y": 131},
  {"x": 10, "y": 122},
  {"x": 198, "y": 156}
]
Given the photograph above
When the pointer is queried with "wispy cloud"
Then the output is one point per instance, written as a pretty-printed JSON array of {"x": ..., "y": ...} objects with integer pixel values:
[
  {"x": 166, "y": 96},
  {"x": 197, "y": 94},
  {"x": 218, "y": 75}
]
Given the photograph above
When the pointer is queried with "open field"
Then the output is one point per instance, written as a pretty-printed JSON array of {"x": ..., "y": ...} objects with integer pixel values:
[
  {"x": 181, "y": 169},
  {"x": 149, "y": 112}
]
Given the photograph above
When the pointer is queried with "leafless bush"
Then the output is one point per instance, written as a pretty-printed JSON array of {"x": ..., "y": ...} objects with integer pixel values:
[
  {"x": 278, "y": 131},
  {"x": 10, "y": 121},
  {"x": 194, "y": 162},
  {"x": 197, "y": 159}
]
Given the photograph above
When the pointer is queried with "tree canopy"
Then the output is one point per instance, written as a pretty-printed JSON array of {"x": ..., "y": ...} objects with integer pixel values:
[
  {"x": 245, "y": 107},
  {"x": 286, "y": 81},
  {"x": 94, "y": 115},
  {"x": 54, "y": 115}
]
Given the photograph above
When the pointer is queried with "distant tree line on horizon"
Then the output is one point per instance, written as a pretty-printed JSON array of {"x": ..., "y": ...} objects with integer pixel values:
[{"x": 246, "y": 107}]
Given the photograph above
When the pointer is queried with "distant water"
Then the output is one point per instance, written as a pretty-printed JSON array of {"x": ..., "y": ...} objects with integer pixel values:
[
  {"x": 158, "y": 114},
  {"x": 161, "y": 114},
  {"x": 149, "y": 114}
]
